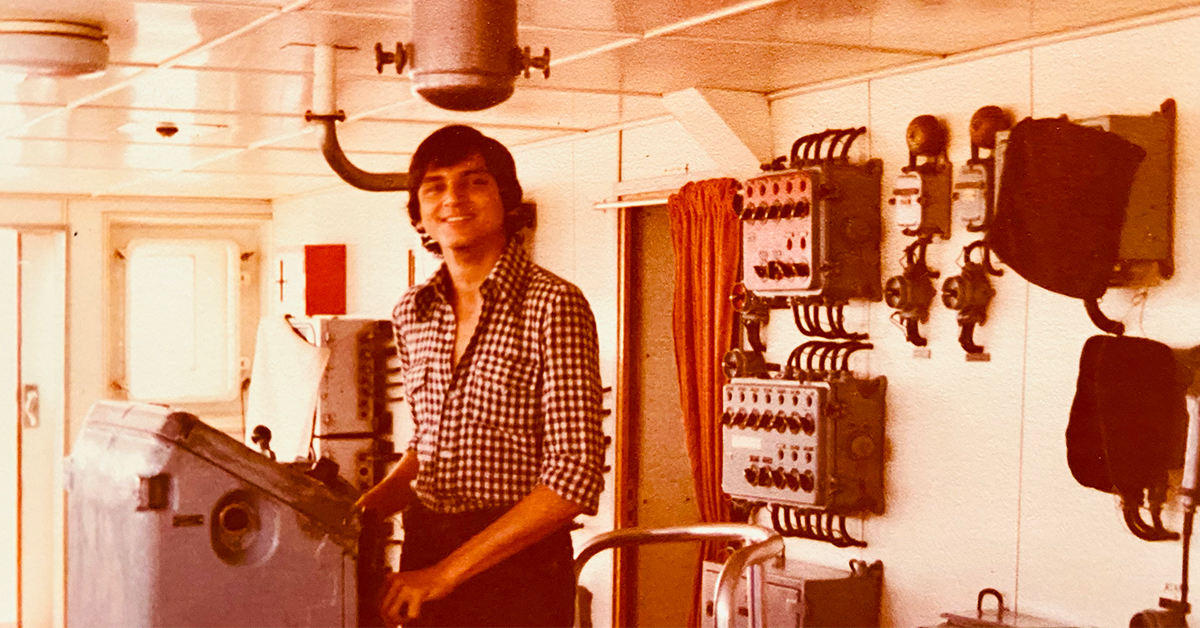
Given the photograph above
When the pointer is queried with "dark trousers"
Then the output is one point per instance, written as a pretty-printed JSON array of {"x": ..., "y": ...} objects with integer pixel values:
[{"x": 535, "y": 587}]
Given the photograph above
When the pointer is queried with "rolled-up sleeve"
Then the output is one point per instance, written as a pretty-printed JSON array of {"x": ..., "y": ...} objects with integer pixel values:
[{"x": 573, "y": 454}]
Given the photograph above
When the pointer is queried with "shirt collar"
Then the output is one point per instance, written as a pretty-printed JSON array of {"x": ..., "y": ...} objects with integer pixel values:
[{"x": 502, "y": 283}]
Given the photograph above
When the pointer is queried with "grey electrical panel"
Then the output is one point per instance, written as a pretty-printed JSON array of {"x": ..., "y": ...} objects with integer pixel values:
[
  {"x": 354, "y": 422},
  {"x": 818, "y": 443},
  {"x": 800, "y": 595}
]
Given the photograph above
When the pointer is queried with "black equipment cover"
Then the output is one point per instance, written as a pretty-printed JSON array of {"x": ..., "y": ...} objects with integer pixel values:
[
  {"x": 1128, "y": 423},
  {"x": 1063, "y": 192}
]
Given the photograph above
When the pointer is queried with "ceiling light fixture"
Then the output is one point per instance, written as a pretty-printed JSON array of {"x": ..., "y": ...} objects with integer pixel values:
[{"x": 52, "y": 47}]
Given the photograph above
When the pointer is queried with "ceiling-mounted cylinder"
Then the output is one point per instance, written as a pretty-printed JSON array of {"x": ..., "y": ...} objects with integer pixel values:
[{"x": 464, "y": 55}]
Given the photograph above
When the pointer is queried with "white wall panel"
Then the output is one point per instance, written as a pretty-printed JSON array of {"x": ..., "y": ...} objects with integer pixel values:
[
  {"x": 375, "y": 228},
  {"x": 979, "y": 494},
  {"x": 1075, "y": 550}
]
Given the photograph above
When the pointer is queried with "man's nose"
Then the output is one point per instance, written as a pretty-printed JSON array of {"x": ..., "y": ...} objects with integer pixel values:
[{"x": 456, "y": 191}]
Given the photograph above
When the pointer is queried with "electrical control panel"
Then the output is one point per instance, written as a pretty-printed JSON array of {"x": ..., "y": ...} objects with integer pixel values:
[
  {"x": 811, "y": 443},
  {"x": 813, "y": 231},
  {"x": 354, "y": 424}
]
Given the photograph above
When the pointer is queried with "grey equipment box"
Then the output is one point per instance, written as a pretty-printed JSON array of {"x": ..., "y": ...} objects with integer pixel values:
[
  {"x": 802, "y": 595},
  {"x": 173, "y": 523}
]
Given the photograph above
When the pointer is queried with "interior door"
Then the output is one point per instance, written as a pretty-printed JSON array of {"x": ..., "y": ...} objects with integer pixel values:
[
  {"x": 32, "y": 374},
  {"x": 9, "y": 434}
]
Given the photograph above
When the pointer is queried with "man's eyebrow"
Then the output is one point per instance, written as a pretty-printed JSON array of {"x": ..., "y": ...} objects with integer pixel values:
[{"x": 467, "y": 173}]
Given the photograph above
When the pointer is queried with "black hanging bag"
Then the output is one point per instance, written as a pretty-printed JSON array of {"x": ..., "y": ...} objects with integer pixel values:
[
  {"x": 1061, "y": 206},
  {"x": 1128, "y": 425}
]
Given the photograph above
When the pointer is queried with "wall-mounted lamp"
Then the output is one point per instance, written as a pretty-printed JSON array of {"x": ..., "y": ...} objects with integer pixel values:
[{"x": 52, "y": 47}]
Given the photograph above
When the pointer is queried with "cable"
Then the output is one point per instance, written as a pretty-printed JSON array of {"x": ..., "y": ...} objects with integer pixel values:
[{"x": 860, "y": 131}]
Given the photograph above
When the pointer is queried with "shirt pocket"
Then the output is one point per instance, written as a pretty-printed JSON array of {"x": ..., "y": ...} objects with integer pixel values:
[
  {"x": 416, "y": 384},
  {"x": 506, "y": 394}
]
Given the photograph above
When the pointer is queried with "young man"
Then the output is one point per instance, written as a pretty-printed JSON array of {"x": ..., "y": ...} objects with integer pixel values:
[{"x": 501, "y": 368}]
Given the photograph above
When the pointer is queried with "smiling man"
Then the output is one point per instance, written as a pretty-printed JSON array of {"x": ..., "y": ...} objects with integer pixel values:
[{"x": 501, "y": 369}]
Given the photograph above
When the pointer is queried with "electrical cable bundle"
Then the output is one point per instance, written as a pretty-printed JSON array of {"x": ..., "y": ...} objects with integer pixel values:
[
  {"x": 807, "y": 314},
  {"x": 814, "y": 524},
  {"x": 811, "y": 144},
  {"x": 826, "y": 355}
]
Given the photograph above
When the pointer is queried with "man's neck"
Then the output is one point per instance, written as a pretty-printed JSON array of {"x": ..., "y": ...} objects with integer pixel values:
[{"x": 469, "y": 268}]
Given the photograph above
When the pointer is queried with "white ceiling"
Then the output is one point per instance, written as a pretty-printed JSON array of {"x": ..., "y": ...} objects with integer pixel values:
[{"x": 235, "y": 76}]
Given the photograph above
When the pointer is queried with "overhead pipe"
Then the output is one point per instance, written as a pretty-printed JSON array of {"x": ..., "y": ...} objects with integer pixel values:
[{"x": 325, "y": 111}]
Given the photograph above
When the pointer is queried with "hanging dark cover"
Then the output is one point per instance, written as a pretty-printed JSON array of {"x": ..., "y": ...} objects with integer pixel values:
[
  {"x": 1063, "y": 192},
  {"x": 1128, "y": 423}
]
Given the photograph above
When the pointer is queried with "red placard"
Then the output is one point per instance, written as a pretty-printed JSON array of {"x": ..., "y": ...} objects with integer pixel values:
[{"x": 324, "y": 279}]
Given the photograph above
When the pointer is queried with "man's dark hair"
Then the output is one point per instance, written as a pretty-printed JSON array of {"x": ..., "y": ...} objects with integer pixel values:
[{"x": 455, "y": 144}]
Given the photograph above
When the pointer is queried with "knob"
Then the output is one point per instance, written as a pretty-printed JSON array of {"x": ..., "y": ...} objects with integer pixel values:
[
  {"x": 774, "y": 211},
  {"x": 766, "y": 421},
  {"x": 788, "y": 270},
  {"x": 807, "y": 482},
  {"x": 788, "y": 210},
  {"x": 808, "y": 424},
  {"x": 793, "y": 479},
  {"x": 774, "y": 270},
  {"x": 726, "y": 417},
  {"x": 895, "y": 291},
  {"x": 801, "y": 269},
  {"x": 751, "y": 476},
  {"x": 954, "y": 293},
  {"x": 764, "y": 477},
  {"x": 739, "y": 418},
  {"x": 781, "y": 424},
  {"x": 793, "y": 423},
  {"x": 802, "y": 209},
  {"x": 752, "y": 420},
  {"x": 862, "y": 447},
  {"x": 777, "y": 478}
]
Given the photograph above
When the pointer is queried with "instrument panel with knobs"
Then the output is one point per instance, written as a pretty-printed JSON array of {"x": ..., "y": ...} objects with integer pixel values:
[{"x": 812, "y": 443}]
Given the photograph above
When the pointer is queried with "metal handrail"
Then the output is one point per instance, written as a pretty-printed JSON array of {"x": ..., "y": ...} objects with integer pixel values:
[{"x": 760, "y": 545}]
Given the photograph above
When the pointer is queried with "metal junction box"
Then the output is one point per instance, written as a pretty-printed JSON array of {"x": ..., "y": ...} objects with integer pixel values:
[
  {"x": 817, "y": 444},
  {"x": 803, "y": 595},
  {"x": 173, "y": 523},
  {"x": 813, "y": 232}
]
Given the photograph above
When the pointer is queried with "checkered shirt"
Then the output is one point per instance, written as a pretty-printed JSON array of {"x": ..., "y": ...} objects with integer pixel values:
[{"x": 521, "y": 408}]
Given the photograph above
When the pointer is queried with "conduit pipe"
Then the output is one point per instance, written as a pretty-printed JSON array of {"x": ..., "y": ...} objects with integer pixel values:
[
  {"x": 759, "y": 545},
  {"x": 325, "y": 111}
]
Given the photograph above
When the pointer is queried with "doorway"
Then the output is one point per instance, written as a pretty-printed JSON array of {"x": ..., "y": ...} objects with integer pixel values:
[{"x": 660, "y": 468}]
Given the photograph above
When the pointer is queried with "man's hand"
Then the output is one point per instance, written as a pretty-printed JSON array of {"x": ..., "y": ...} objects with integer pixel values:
[
  {"x": 406, "y": 591},
  {"x": 395, "y": 492}
]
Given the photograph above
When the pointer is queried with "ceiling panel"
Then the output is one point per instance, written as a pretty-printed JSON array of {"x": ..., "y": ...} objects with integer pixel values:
[
  {"x": 236, "y": 78},
  {"x": 1052, "y": 16}
]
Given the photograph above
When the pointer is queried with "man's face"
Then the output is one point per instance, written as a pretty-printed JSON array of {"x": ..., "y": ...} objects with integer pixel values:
[{"x": 460, "y": 206}]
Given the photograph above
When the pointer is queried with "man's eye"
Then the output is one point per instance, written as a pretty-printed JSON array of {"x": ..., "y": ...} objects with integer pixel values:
[
  {"x": 436, "y": 188},
  {"x": 482, "y": 181}
]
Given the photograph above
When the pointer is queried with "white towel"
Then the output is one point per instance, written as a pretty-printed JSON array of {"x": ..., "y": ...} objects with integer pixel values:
[{"x": 284, "y": 382}]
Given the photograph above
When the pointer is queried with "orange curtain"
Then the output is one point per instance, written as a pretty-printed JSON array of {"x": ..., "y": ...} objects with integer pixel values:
[{"x": 706, "y": 238}]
